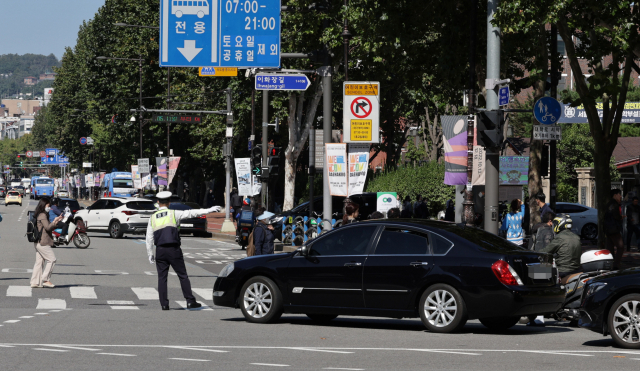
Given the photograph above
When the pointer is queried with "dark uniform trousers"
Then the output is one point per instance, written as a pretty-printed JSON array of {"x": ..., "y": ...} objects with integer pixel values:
[{"x": 172, "y": 256}]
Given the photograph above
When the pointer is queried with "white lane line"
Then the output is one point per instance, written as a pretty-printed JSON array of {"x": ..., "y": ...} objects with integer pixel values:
[
  {"x": 340, "y": 368},
  {"x": 19, "y": 291},
  {"x": 146, "y": 293},
  {"x": 183, "y": 304},
  {"x": 269, "y": 364},
  {"x": 83, "y": 292},
  {"x": 191, "y": 359},
  {"x": 200, "y": 349},
  {"x": 557, "y": 353},
  {"x": 51, "y": 350},
  {"x": 118, "y": 354},
  {"x": 73, "y": 347},
  {"x": 12, "y": 321},
  {"x": 25, "y": 317},
  {"x": 7, "y": 346},
  {"x": 445, "y": 351},
  {"x": 56, "y": 311},
  {"x": 206, "y": 294},
  {"x": 322, "y": 350},
  {"x": 51, "y": 304},
  {"x": 41, "y": 314},
  {"x": 122, "y": 304}
]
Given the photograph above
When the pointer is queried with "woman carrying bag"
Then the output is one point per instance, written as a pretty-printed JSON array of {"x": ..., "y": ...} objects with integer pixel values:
[
  {"x": 45, "y": 258},
  {"x": 263, "y": 235}
]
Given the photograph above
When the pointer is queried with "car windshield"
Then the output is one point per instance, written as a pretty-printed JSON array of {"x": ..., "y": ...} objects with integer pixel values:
[
  {"x": 140, "y": 205},
  {"x": 122, "y": 183},
  {"x": 44, "y": 181}
]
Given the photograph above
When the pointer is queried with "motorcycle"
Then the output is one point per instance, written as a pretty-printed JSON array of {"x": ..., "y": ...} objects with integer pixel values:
[
  {"x": 77, "y": 233},
  {"x": 593, "y": 263},
  {"x": 245, "y": 225}
]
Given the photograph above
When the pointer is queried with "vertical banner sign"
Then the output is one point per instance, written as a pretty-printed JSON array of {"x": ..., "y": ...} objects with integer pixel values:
[
  {"x": 358, "y": 164},
  {"x": 514, "y": 170},
  {"x": 386, "y": 201},
  {"x": 90, "y": 182},
  {"x": 361, "y": 111},
  {"x": 336, "y": 156},
  {"x": 143, "y": 165},
  {"x": 135, "y": 175},
  {"x": 479, "y": 158},
  {"x": 256, "y": 187},
  {"x": 319, "y": 149},
  {"x": 173, "y": 167},
  {"x": 243, "y": 176},
  {"x": 161, "y": 164},
  {"x": 454, "y": 138},
  {"x": 102, "y": 174}
]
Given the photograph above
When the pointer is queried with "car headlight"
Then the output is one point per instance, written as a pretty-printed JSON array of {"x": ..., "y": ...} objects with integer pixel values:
[
  {"x": 595, "y": 287},
  {"x": 226, "y": 271}
]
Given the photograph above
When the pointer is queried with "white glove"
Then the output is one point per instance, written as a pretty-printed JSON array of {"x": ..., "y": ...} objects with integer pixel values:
[{"x": 152, "y": 259}]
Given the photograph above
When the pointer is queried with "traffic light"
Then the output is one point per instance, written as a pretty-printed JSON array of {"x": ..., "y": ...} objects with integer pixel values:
[
  {"x": 274, "y": 160},
  {"x": 490, "y": 126},
  {"x": 256, "y": 156}
]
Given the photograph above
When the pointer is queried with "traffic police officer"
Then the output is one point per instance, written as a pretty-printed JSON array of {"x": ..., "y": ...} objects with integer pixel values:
[{"x": 163, "y": 231}]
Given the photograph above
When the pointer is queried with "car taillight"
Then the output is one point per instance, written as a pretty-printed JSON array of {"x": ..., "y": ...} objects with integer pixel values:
[
  {"x": 506, "y": 274},
  {"x": 203, "y": 217},
  {"x": 74, "y": 211},
  {"x": 127, "y": 212},
  {"x": 109, "y": 194}
]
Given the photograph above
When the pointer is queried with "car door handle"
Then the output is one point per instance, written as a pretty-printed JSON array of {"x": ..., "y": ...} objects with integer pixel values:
[
  {"x": 352, "y": 264},
  {"x": 418, "y": 264}
]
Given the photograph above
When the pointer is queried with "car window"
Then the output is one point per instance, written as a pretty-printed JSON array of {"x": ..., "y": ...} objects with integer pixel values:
[
  {"x": 141, "y": 205},
  {"x": 113, "y": 204},
  {"x": 398, "y": 241},
  {"x": 440, "y": 245},
  {"x": 98, "y": 205},
  {"x": 487, "y": 241},
  {"x": 561, "y": 208},
  {"x": 344, "y": 241},
  {"x": 574, "y": 209}
]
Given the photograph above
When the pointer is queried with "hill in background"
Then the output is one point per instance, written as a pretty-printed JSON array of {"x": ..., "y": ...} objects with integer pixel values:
[{"x": 14, "y": 68}]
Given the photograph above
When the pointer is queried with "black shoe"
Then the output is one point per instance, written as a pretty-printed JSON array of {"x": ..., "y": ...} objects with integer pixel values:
[
  {"x": 193, "y": 305},
  {"x": 165, "y": 307}
]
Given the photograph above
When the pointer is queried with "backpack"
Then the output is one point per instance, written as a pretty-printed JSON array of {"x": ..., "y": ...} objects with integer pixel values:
[
  {"x": 33, "y": 234},
  {"x": 251, "y": 247}
]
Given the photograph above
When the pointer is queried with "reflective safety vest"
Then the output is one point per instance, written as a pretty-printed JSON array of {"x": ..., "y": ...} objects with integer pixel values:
[{"x": 166, "y": 231}]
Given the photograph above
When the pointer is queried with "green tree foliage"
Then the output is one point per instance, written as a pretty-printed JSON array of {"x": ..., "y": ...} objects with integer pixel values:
[{"x": 412, "y": 181}]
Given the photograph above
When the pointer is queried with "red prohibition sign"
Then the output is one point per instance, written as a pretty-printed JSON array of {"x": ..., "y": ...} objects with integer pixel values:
[{"x": 361, "y": 107}]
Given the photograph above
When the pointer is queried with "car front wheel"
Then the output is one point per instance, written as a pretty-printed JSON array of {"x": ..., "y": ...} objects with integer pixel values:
[
  {"x": 261, "y": 300},
  {"x": 442, "y": 309},
  {"x": 624, "y": 321}
]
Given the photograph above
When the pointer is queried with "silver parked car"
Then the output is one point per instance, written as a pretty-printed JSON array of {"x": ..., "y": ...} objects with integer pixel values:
[{"x": 585, "y": 219}]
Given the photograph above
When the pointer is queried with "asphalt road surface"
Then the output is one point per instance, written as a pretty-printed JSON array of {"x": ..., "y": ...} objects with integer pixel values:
[{"x": 104, "y": 315}]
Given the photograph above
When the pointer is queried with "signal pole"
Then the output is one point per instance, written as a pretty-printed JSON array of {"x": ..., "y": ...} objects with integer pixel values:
[{"x": 492, "y": 154}]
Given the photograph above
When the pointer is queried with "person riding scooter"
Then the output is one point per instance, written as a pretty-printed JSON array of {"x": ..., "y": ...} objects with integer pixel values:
[
  {"x": 566, "y": 246},
  {"x": 55, "y": 211}
]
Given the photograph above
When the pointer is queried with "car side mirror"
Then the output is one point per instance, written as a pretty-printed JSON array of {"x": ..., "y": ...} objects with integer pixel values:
[{"x": 304, "y": 250}]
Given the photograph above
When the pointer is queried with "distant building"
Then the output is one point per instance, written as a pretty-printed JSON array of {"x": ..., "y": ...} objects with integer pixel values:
[
  {"x": 25, "y": 125},
  {"x": 47, "y": 76},
  {"x": 8, "y": 127},
  {"x": 30, "y": 80},
  {"x": 18, "y": 107}
]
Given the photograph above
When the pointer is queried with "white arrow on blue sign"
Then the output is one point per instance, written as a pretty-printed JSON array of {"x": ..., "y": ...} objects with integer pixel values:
[
  {"x": 503, "y": 95},
  {"x": 220, "y": 33},
  {"x": 547, "y": 110},
  {"x": 276, "y": 81}
]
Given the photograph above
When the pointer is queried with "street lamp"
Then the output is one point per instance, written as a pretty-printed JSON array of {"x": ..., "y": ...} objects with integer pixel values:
[{"x": 140, "y": 107}]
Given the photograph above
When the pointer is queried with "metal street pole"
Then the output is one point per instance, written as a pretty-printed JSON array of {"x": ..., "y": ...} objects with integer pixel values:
[
  {"x": 554, "y": 94},
  {"x": 140, "y": 104},
  {"x": 312, "y": 167},
  {"x": 469, "y": 213},
  {"x": 492, "y": 154},
  {"x": 265, "y": 143},
  {"x": 325, "y": 72},
  {"x": 227, "y": 225},
  {"x": 346, "y": 36}
]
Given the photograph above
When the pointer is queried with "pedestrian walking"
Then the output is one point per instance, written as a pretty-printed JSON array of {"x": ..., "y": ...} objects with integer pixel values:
[
  {"x": 210, "y": 198},
  {"x": 352, "y": 212},
  {"x": 633, "y": 221},
  {"x": 415, "y": 206},
  {"x": 540, "y": 200},
  {"x": 512, "y": 222},
  {"x": 163, "y": 232},
  {"x": 421, "y": 210},
  {"x": 613, "y": 227},
  {"x": 542, "y": 233},
  {"x": 263, "y": 235},
  {"x": 407, "y": 208},
  {"x": 526, "y": 221},
  {"x": 450, "y": 211},
  {"x": 45, "y": 258}
]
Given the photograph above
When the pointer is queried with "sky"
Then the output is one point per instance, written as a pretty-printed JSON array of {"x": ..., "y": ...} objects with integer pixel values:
[{"x": 43, "y": 26}]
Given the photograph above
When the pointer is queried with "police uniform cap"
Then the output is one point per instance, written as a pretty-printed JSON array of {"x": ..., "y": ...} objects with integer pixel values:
[
  {"x": 164, "y": 195},
  {"x": 266, "y": 215}
]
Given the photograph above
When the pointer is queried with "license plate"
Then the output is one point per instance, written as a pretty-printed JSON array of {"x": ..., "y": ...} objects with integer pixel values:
[
  {"x": 245, "y": 234},
  {"x": 542, "y": 271},
  {"x": 186, "y": 225}
]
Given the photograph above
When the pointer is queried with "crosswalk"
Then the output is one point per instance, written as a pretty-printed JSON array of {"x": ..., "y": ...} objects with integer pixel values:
[{"x": 89, "y": 297}]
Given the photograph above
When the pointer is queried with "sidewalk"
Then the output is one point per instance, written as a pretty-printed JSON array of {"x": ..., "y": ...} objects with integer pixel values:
[{"x": 214, "y": 224}]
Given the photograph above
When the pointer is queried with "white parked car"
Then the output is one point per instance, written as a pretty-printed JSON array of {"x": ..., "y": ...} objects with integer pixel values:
[
  {"x": 585, "y": 219},
  {"x": 117, "y": 215},
  {"x": 63, "y": 193}
]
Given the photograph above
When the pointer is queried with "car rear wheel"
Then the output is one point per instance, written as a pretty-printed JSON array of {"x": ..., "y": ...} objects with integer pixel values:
[
  {"x": 499, "y": 323},
  {"x": 442, "y": 309},
  {"x": 589, "y": 231},
  {"x": 321, "y": 317},
  {"x": 115, "y": 230},
  {"x": 624, "y": 321},
  {"x": 261, "y": 300}
]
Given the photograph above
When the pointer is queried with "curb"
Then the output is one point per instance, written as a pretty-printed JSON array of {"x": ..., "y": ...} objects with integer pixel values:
[{"x": 223, "y": 236}]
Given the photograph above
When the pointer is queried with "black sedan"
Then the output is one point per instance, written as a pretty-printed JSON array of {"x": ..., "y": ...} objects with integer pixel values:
[
  {"x": 197, "y": 226},
  {"x": 611, "y": 306},
  {"x": 441, "y": 272}
]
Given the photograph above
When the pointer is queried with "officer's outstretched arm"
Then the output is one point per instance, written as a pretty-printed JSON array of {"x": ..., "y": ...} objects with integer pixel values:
[{"x": 193, "y": 213}]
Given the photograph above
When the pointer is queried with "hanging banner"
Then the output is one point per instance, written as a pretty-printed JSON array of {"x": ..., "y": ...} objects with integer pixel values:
[
  {"x": 256, "y": 187},
  {"x": 145, "y": 180},
  {"x": 358, "y": 164},
  {"x": 479, "y": 158},
  {"x": 90, "y": 182},
  {"x": 514, "y": 170},
  {"x": 243, "y": 176},
  {"x": 135, "y": 175},
  {"x": 454, "y": 137},
  {"x": 173, "y": 166},
  {"x": 578, "y": 115},
  {"x": 336, "y": 155},
  {"x": 161, "y": 164}
]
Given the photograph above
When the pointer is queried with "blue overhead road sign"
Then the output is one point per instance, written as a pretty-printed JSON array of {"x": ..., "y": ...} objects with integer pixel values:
[
  {"x": 220, "y": 33},
  {"x": 547, "y": 111},
  {"x": 503, "y": 95},
  {"x": 276, "y": 81}
]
